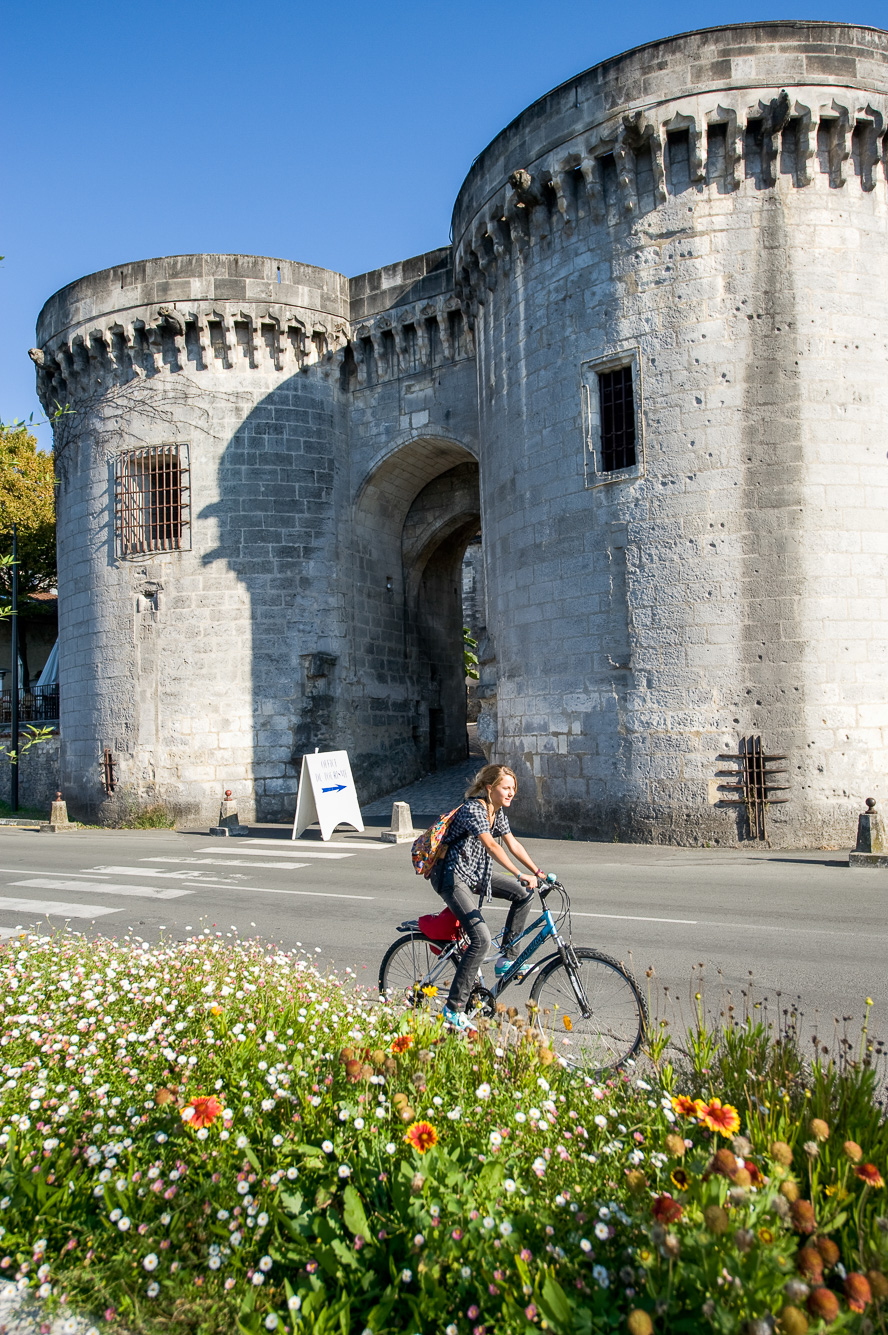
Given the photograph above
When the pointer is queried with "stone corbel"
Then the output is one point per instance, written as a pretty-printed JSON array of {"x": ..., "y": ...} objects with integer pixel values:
[
  {"x": 525, "y": 197},
  {"x": 594, "y": 195},
  {"x": 804, "y": 143},
  {"x": 482, "y": 244},
  {"x": 839, "y": 149},
  {"x": 423, "y": 341},
  {"x": 445, "y": 306},
  {"x": 380, "y": 354},
  {"x": 624, "y": 157}
]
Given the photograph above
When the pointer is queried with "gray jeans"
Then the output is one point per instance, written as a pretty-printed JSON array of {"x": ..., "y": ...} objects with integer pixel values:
[{"x": 462, "y": 900}]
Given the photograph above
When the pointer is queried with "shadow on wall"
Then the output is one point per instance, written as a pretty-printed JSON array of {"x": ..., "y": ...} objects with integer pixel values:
[{"x": 352, "y": 634}]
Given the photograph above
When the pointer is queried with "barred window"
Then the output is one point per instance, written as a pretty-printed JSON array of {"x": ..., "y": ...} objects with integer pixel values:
[
  {"x": 617, "y": 419},
  {"x": 152, "y": 500},
  {"x": 613, "y": 420}
]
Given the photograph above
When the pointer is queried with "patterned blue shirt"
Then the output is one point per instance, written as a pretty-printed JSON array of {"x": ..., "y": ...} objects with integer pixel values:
[{"x": 466, "y": 854}]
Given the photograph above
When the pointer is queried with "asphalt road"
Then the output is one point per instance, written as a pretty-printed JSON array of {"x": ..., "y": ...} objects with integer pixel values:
[{"x": 801, "y": 925}]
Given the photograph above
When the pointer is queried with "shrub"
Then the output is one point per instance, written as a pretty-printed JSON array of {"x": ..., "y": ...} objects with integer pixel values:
[{"x": 214, "y": 1136}]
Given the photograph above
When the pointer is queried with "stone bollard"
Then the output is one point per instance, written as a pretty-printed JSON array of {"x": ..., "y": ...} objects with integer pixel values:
[
  {"x": 228, "y": 818},
  {"x": 58, "y": 817},
  {"x": 872, "y": 844},
  {"x": 401, "y": 831}
]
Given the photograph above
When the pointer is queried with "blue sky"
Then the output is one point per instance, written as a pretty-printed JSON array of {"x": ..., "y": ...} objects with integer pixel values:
[{"x": 333, "y": 134}]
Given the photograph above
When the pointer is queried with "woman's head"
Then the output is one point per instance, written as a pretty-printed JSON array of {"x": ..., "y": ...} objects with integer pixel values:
[{"x": 494, "y": 776}]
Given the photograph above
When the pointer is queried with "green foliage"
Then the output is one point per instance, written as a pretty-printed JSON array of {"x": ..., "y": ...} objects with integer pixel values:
[
  {"x": 27, "y": 498},
  {"x": 363, "y": 1169},
  {"x": 470, "y": 658}
]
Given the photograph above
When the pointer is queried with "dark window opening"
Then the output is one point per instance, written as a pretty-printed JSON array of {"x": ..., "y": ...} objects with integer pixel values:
[
  {"x": 829, "y": 156},
  {"x": 791, "y": 161},
  {"x": 678, "y": 147},
  {"x": 319, "y": 339},
  {"x": 550, "y": 197},
  {"x": 617, "y": 406},
  {"x": 863, "y": 152},
  {"x": 644, "y": 178},
  {"x": 716, "y": 153},
  {"x": 752, "y": 149},
  {"x": 433, "y": 333},
  {"x": 152, "y": 500},
  {"x": 455, "y": 323},
  {"x": 217, "y": 341},
  {"x": 369, "y": 364},
  {"x": 411, "y": 348},
  {"x": 391, "y": 352},
  {"x": 577, "y": 183},
  {"x": 607, "y": 169}
]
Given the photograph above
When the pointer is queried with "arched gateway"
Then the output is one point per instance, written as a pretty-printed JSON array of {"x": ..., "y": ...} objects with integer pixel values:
[{"x": 651, "y": 370}]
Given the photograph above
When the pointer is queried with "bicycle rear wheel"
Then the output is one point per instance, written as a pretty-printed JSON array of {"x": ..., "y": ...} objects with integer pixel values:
[
  {"x": 410, "y": 964},
  {"x": 614, "y": 1029}
]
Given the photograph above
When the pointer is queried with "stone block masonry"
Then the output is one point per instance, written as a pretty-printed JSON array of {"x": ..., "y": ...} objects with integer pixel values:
[{"x": 703, "y": 218}]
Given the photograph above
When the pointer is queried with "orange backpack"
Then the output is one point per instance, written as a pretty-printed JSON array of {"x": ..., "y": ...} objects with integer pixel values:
[{"x": 428, "y": 848}]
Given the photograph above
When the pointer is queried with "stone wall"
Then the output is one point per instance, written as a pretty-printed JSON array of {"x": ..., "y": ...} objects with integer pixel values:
[
  {"x": 711, "y": 210},
  {"x": 38, "y": 775}
]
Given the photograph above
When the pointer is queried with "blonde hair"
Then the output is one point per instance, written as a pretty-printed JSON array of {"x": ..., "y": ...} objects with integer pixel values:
[{"x": 488, "y": 776}]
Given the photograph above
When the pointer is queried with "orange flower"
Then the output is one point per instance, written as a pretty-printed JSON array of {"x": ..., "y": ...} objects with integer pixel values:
[
  {"x": 721, "y": 1118},
  {"x": 422, "y": 1136},
  {"x": 869, "y": 1173},
  {"x": 686, "y": 1107},
  {"x": 857, "y": 1291},
  {"x": 204, "y": 1110},
  {"x": 402, "y": 1043}
]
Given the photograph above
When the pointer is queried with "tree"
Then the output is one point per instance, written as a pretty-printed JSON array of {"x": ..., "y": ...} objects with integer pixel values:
[{"x": 27, "y": 498}]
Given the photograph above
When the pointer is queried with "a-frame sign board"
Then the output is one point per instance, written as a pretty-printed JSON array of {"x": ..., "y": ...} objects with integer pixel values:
[{"x": 326, "y": 794}]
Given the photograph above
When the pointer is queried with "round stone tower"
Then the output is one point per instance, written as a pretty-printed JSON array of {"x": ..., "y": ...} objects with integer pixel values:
[
  {"x": 197, "y": 456},
  {"x": 678, "y": 269}
]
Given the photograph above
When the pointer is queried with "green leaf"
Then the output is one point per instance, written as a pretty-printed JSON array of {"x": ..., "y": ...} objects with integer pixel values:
[
  {"x": 554, "y": 1305},
  {"x": 353, "y": 1212},
  {"x": 292, "y": 1201}
]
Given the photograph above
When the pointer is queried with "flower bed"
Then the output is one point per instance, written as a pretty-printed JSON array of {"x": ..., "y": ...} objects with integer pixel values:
[{"x": 212, "y": 1136}]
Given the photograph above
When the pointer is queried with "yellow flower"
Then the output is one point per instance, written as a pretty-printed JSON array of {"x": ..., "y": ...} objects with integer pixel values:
[
  {"x": 430, "y": 990},
  {"x": 567, "y": 1022},
  {"x": 215, "y": 1009}
]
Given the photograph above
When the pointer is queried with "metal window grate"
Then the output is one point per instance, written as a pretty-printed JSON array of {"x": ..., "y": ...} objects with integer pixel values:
[
  {"x": 754, "y": 782},
  {"x": 617, "y": 419},
  {"x": 152, "y": 500}
]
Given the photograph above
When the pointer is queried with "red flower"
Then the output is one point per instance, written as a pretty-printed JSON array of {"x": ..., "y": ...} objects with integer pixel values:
[
  {"x": 402, "y": 1043},
  {"x": 869, "y": 1173},
  {"x": 825, "y": 1304},
  {"x": 204, "y": 1110},
  {"x": 422, "y": 1136},
  {"x": 755, "y": 1173},
  {"x": 720, "y": 1117},
  {"x": 666, "y": 1210},
  {"x": 686, "y": 1107}
]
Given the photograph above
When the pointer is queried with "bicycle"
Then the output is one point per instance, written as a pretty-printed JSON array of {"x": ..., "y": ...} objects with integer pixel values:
[{"x": 589, "y": 1000}]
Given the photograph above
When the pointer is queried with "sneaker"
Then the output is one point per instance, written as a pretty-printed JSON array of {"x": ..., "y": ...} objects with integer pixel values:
[
  {"x": 458, "y": 1020},
  {"x": 502, "y": 966}
]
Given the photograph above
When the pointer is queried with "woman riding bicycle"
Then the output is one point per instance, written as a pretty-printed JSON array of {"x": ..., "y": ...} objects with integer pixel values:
[{"x": 465, "y": 872}]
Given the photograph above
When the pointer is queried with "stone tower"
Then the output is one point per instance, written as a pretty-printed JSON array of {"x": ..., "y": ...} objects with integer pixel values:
[{"x": 651, "y": 369}]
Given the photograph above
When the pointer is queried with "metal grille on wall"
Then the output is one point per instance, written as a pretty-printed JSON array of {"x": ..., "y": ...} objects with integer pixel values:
[
  {"x": 617, "y": 419},
  {"x": 152, "y": 500},
  {"x": 758, "y": 783}
]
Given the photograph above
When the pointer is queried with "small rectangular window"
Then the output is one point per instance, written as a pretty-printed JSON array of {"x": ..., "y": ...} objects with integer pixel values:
[
  {"x": 152, "y": 500},
  {"x": 613, "y": 418},
  {"x": 617, "y": 419}
]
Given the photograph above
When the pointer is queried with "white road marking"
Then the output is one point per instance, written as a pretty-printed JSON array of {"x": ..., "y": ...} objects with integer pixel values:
[
  {"x": 43, "y": 907},
  {"x": 302, "y": 845},
  {"x": 232, "y": 862},
  {"x": 260, "y": 853},
  {"x": 147, "y": 871},
  {"x": 316, "y": 894},
  {"x": 628, "y": 917},
  {"x": 105, "y": 888},
  {"x": 7, "y": 932}
]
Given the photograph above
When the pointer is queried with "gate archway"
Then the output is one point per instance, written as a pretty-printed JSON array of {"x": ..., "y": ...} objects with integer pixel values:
[{"x": 415, "y": 514}]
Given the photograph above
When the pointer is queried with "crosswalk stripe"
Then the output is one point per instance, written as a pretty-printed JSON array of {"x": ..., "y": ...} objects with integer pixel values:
[
  {"x": 42, "y": 907},
  {"x": 235, "y": 851},
  {"x": 148, "y": 871},
  {"x": 302, "y": 846},
  {"x": 105, "y": 888},
  {"x": 232, "y": 862}
]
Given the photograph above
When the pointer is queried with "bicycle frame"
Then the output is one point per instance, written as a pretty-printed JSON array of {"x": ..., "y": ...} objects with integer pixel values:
[{"x": 517, "y": 972}]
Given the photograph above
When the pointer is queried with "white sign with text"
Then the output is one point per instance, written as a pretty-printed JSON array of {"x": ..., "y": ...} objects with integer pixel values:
[{"x": 326, "y": 794}]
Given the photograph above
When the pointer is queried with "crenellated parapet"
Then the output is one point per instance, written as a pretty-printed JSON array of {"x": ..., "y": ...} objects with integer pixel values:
[
  {"x": 641, "y": 160},
  {"x": 408, "y": 339},
  {"x": 195, "y": 313}
]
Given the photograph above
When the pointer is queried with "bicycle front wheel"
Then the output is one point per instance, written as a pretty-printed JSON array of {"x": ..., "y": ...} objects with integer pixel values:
[
  {"x": 612, "y": 1032},
  {"x": 410, "y": 965}
]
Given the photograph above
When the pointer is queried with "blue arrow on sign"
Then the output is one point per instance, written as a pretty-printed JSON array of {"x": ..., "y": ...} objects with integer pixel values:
[{"x": 337, "y": 788}]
